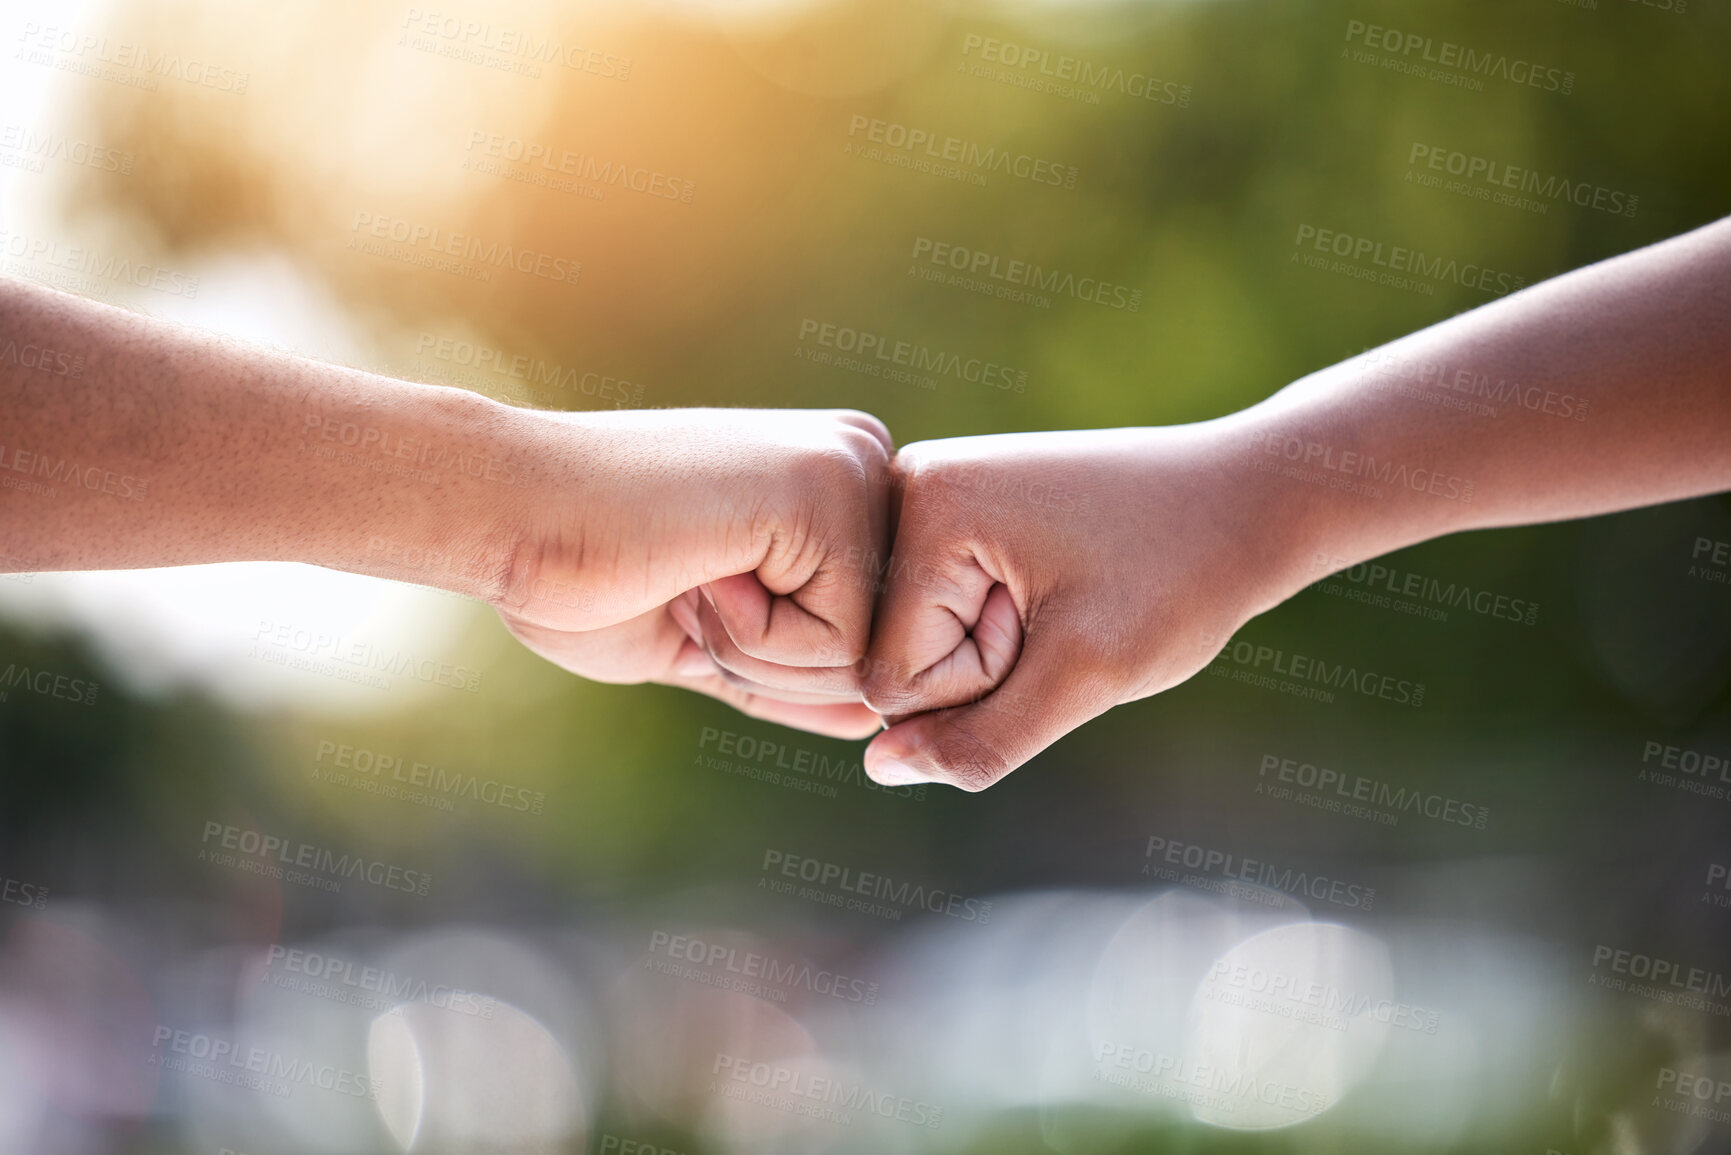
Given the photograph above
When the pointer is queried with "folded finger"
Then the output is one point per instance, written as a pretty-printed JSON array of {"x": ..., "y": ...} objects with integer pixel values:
[
  {"x": 947, "y": 628},
  {"x": 849, "y": 720},
  {"x": 974, "y": 745},
  {"x": 841, "y": 683}
]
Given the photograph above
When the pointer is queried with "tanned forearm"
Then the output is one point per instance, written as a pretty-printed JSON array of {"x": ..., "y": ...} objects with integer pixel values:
[
  {"x": 126, "y": 442},
  {"x": 1007, "y": 621},
  {"x": 1604, "y": 389}
]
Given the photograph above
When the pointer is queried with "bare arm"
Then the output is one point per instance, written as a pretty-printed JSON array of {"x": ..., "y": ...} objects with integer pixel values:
[
  {"x": 1039, "y": 579},
  {"x": 1600, "y": 390},
  {"x": 127, "y": 442}
]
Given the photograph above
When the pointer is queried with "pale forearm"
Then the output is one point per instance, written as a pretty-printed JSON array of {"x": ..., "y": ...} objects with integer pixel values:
[
  {"x": 135, "y": 443},
  {"x": 1605, "y": 389}
]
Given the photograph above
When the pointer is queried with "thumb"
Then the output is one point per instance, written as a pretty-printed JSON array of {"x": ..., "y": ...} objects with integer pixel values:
[{"x": 974, "y": 745}]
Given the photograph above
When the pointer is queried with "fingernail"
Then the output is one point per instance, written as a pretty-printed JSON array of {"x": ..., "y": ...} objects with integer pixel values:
[
  {"x": 895, "y": 772},
  {"x": 707, "y": 596}
]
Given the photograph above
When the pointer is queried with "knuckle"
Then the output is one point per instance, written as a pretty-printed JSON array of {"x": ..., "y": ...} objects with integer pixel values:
[
  {"x": 866, "y": 422},
  {"x": 917, "y": 451},
  {"x": 849, "y": 648},
  {"x": 934, "y": 489},
  {"x": 839, "y": 471},
  {"x": 856, "y": 416},
  {"x": 867, "y": 455}
]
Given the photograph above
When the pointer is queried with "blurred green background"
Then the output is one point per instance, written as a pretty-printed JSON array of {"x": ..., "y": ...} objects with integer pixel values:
[{"x": 1196, "y": 206}]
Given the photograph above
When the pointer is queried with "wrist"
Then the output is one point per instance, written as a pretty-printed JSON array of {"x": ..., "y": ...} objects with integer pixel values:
[
  {"x": 1260, "y": 529},
  {"x": 1311, "y": 496},
  {"x": 434, "y": 483}
]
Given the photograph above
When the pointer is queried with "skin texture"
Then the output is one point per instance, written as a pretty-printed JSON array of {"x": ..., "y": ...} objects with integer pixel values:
[
  {"x": 126, "y": 442},
  {"x": 1036, "y": 580},
  {"x": 763, "y": 522},
  {"x": 1040, "y": 579}
]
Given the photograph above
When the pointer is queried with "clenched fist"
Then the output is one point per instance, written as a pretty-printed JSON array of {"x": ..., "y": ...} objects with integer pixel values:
[
  {"x": 1039, "y": 579},
  {"x": 766, "y": 524}
]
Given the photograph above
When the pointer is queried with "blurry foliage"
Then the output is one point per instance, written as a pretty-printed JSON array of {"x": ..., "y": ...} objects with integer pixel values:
[{"x": 1197, "y": 206}]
